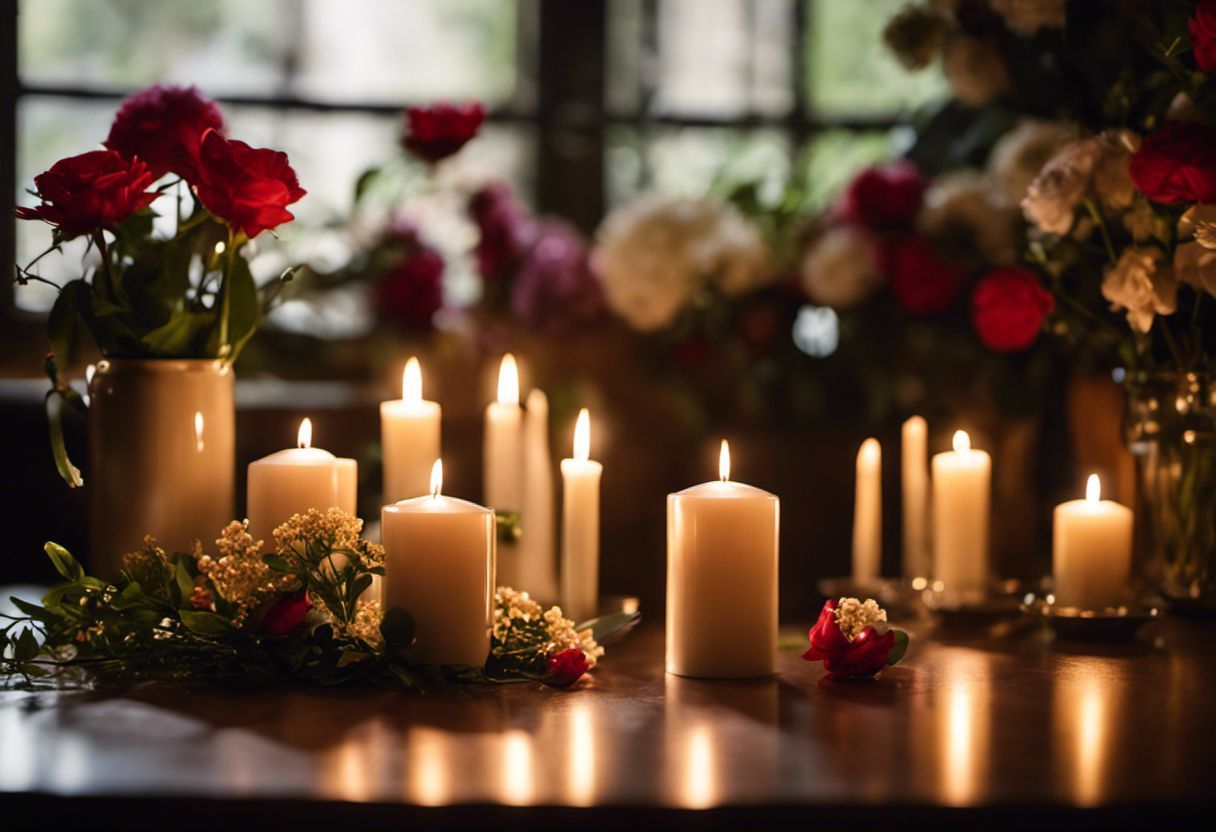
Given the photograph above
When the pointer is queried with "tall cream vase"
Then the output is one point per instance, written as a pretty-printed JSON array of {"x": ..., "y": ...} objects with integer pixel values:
[{"x": 162, "y": 455}]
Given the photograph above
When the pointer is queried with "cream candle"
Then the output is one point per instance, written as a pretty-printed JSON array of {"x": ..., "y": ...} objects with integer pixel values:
[
  {"x": 867, "y": 514},
  {"x": 537, "y": 571},
  {"x": 962, "y": 481},
  {"x": 409, "y": 437},
  {"x": 439, "y": 567},
  {"x": 293, "y": 481},
  {"x": 1091, "y": 550},
  {"x": 722, "y": 578},
  {"x": 914, "y": 475},
  {"x": 581, "y": 525},
  {"x": 504, "y": 460}
]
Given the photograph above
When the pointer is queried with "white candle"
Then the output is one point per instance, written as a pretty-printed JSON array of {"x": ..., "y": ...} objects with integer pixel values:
[
  {"x": 537, "y": 571},
  {"x": 293, "y": 481},
  {"x": 962, "y": 481},
  {"x": 722, "y": 579},
  {"x": 581, "y": 526},
  {"x": 915, "y": 481},
  {"x": 504, "y": 460},
  {"x": 867, "y": 514},
  {"x": 1091, "y": 550},
  {"x": 439, "y": 567},
  {"x": 409, "y": 436}
]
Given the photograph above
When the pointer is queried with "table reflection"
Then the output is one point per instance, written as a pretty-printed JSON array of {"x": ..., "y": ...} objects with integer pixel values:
[
  {"x": 1086, "y": 700},
  {"x": 963, "y": 709},
  {"x": 428, "y": 782},
  {"x": 518, "y": 780},
  {"x": 581, "y": 756}
]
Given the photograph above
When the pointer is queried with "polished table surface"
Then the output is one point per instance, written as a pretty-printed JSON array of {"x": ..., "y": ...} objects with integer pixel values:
[{"x": 1014, "y": 727}]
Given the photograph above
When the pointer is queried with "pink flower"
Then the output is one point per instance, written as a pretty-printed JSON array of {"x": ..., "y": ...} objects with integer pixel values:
[{"x": 565, "y": 668}]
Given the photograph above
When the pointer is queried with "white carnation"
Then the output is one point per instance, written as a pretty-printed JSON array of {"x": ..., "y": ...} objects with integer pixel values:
[{"x": 839, "y": 269}]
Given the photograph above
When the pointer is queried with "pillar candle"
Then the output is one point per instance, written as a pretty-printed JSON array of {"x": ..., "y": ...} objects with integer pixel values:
[
  {"x": 504, "y": 459},
  {"x": 867, "y": 514},
  {"x": 439, "y": 567},
  {"x": 409, "y": 436},
  {"x": 537, "y": 570},
  {"x": 1091, "y": 550},
  {"x": 962, "y": 481},
  {"x": 581, "y": 526},
  {"x": 722, "y": 579},
  {"x": 293, "y": 481},
  {"x": 915, "y": 481}
]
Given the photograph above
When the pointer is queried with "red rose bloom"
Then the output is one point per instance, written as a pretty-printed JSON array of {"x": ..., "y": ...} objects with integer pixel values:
[
  {"x": 862, "y": 657},
  {"x": 163, "y": 126},
  {"x": 565, "y": 668},
  {"x": 1008, "y": 307},
  {"x": 883, "y": 197},
  {"x": 1177, "y": 163},
  {"x": 286, "y": 614},
  {"x": 412, "y": 291},
  {"x": 1202, "y": 29},
  {"x": 436, "y": 132},
  {"x": 249, "y": 188},
  {"x": 922, "y": 280},
  {"x": 95, "y": 190}
]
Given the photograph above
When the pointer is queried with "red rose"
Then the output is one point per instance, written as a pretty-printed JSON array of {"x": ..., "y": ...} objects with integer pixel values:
[
  {"x": 507, "y": 230},
  {"x": 859, "y": 658},
  {"x": 1177, "y": 163},
  {"x": 412, "y": 291},
  {"x": 883, "y": 197},
  {"x": 95, "y": 190},
  {"x": 436, "y": 132},
  {"x": 164, "y": 126},
  {"x": 1008, "y": 307},
  {"x": 565, "y": 668},
  {"x": 922, "y": 281},
  {"x": 249, "y": 188},
  {"x": 286, "y": 614},
  {"x": 1202, "y": 29}
]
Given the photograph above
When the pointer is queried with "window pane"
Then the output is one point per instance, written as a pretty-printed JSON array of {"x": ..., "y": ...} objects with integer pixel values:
[{"x": 834, "y": 156}]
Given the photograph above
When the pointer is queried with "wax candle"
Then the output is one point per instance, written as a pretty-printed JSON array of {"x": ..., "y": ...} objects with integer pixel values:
[
  {"x": 409, "y": 436},
  {"x": 581, "y": 525},
  {"x": 439, "y": 567},
  {"x": 537, "y": 571},
  {"x": 293, "y": 481},
  {"x": 962, "y": 481},
  {"x": 867, "y": 514},
  {"x": 504, "y": 460},
  {"x": 1091, "y": 550},
  {"x": 722, "y": 579},
  {"x": 915, "y": 480}
]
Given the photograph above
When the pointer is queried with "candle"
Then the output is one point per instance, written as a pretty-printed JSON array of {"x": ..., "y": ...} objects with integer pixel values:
[
  {"x": 581, "y": 526},
  {"x": 537, "y": 571},
  {"x": 293, "y": 481},
  {"x": 1091, "y": 550},
  {"x": 867, "y": 514},
  {"x": 722, "y": 579},
  {"x": 503, "y": 449},
  {"x": 409, "y": 434},
  {"x": 915, "y": 476},
  {"x": 962, "y": 480},
  {"x": 439, "y": 567}
]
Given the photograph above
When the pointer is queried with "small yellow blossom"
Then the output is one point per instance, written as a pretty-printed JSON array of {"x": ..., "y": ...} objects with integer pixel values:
[
  {"x": 366, "y": 624},
  {"x": 853, "y": 616},
  {"x": 238, "y": 574}
]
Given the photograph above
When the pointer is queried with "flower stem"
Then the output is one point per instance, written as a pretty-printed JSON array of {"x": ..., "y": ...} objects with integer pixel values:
[
  {"x": 225, "y": 296},
  {"x": 1097, "y": 218}
]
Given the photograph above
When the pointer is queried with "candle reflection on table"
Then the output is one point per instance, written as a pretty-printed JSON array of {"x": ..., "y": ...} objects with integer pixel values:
[
  {"x": 349, "y": 773},
  {"x": 698, "y": 762},
  {"x": 963, "y": 729},
  {"x": 581, "y": 763},
  {"x": 427, "y": 768},
  {"x": 1085, "y": 699},
  {"x": 518, "y": 780}
]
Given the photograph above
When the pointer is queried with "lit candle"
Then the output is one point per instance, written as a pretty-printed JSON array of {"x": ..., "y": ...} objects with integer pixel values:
[
  {"x": 439, "y": 567},
  {"x": 581, "y": 526},
  {"x": 962, "y": 480},
  {"x": 915, "y": 476},
  {"x": 293, "y": 481},
  {"x": 409, "y": 435},
  {"x": 722, "y": 578},
  {"x": 504, "y": 459},
  {"x": 1091, "y": 550},
  {"x": 537, "y": 571},
  {"x": 867, "y": 514}
]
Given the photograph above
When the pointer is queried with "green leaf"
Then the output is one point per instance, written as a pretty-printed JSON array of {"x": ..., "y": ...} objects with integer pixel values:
[
  {"x": 612, "y": 624},
  {"x": 184, "y": 581},
  {"x": 364, "y": 182},
  {"x": 26, "y": 646},
  {"x": 63, "y": 323},
  {"x": 279, "y": 564},
  {"x": 397, "y": 627},
  {"x": 246, "y": 310},
  {"x": 70, "y": 474},
  {"x": 207, "y": 623},
  {"x": 179, "y": 336},
  {"x": 900, "y": 648},
  {"x": 34, "y": 611},
  {"x": 65, "y": 564},
  {"x": 509, "y": 526}
]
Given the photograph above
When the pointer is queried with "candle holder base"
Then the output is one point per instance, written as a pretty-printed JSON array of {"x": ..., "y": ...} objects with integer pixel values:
[
  {"x": 895, "y": 595},
  {"x": 1115, "y": 623},
  {"x": 1001, "y": 600}
]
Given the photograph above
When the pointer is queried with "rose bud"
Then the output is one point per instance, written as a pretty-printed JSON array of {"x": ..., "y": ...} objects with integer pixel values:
[
  {"x": 565, "y": 668},
  {"x": 285, "y": 614}
]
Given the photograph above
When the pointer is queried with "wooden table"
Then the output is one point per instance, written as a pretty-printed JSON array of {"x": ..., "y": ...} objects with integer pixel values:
[{"x": 1012, "y": 729}]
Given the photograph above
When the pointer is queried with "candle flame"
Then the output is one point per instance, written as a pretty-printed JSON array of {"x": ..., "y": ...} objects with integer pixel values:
[
  {"x": 1093, "y": 489},
  {"x": 411, "y": 381},
  {"x": 199, "y": 445},
  {"x": 582, "y": 436},
  {"x": 961, "y": 442},
  {"x": 437, "y": 478},
  {"x": 724, "y": 462},
  {"x": 304, "y": 435},
  {"x": 508, "y": 381},
  {"x": 870, "y": 451}
]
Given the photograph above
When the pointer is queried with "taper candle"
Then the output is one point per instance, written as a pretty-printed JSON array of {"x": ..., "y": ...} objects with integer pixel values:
[
  {"x": 581, "y": 526},
  {"x": 962, "y": 482},
  {"x": 914, "y": 475},
  {"x": 537, "y": 572},
  {"x": 1091, "y": 550},
  {"x": 409, "y": 436},
  {"x": 504, "y": 460},
  {"x": 867, "y": 514}
]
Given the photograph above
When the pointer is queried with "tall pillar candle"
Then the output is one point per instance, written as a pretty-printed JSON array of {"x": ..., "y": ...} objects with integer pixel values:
[
  {"x": 293, "y": 481},
  {"x": 409, "y": 437},
  {"x": 1091, "y": 551},
  {"x": 581, "y": 526},
  {"x": 504, "y": 459},
  {"x": 722, "y": 579},
  {"x": 439, "y": 567},
  {"x": 537, "y": 557},
  {"x": 915, "y": 487},
  {"x": 867, "y": 514},
  {"x": 962, "y": 483}
]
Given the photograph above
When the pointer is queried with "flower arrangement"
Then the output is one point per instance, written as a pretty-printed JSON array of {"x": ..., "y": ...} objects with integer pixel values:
[
  {"x": 848, "y": 641},
  {"x": 297, "y": 614}
]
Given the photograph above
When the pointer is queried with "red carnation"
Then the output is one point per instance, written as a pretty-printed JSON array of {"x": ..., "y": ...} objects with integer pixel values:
[
  {"x": 1177, "y": 163},
  {"x": 95, "y": 190},
  {"x": 436, "y": 132},
  {"x": 883, "y": 197},
  {"x": 285, "y": 614},
  {"x": 164, "y": 126},
  {"x": 1202, "y": 29},
  {"x": 922, "y": 280},
  {"x": 860, "y": 657},
  {"x": 412, "y": 291},
  {"x": 249, "y": 188},
  {"x": 1008, "y": 307},
  {"x": 565, "y": 668}
]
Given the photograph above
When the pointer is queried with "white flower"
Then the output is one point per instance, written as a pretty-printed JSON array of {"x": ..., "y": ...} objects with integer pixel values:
[
  {"x": 975, "y": 70},
  {"x": 1199, "y": 222},
  {"x": 1142, "y": 285},
  {"x": 962, "y": 209},
  {"x": 853, "y": 616},
  {"x": 840, "y": 269},
  {"x": 1028, "y": 16},
  {"x": 1093, "y": 167},
  {"x": 1195, "y": 265},
  {"x": 1020, "y": 154}
]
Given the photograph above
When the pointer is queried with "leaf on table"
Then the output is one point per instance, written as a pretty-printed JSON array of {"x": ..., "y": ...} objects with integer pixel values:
[
  {"x": 900, "y": 648},
  {"x": 206, "y": 623},
  {"x": 615, "y": 624}
]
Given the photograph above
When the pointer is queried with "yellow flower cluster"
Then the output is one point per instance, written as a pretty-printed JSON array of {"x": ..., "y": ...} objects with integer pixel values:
[
  {"x": 330, "y": 530},
  {"x": 518, "y": 618},
  {"x": 853, "y": 616},
  {"x": 238, "y": 573},
  {"x": 366, "y": 624},
  {"x": 563, "y": 636}
]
